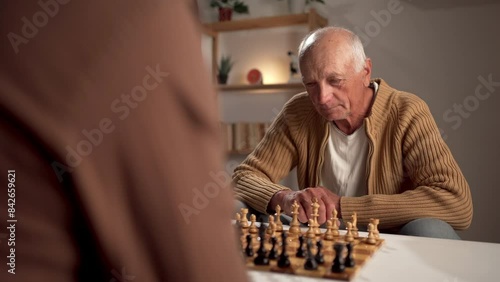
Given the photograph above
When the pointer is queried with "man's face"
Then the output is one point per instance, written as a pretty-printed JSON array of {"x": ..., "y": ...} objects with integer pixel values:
[{"x": 331, "y": 81}]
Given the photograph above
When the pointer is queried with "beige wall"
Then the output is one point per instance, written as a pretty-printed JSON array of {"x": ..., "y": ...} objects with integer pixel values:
[{"x": 439, "y": 51}]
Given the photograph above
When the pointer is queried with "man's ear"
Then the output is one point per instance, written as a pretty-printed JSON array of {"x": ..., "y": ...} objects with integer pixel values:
[{"x": 367, "y": 72}]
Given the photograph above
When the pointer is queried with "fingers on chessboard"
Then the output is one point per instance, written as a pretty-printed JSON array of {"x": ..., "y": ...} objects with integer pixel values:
[{"x": 275, "y": 226}]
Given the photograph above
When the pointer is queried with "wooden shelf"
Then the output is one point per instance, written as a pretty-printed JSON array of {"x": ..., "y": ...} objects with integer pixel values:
[
  {"x": 259, "y": 87},
  {"x": 312, "y": 18}
]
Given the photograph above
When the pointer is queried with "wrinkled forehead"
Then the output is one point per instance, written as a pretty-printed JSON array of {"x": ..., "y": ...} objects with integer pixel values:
[{"x": 329, "y": 54}]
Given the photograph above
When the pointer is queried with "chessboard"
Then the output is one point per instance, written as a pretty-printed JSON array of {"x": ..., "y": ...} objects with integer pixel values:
[{"x": 312, "y": 253}]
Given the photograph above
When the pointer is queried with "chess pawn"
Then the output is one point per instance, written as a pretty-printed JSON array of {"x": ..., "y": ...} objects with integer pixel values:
[
  {"x": 349, "y": 259},
  {"x": 273, "y": 254},
  {"x": 348, "y": 236},
  {"x": 271, "y": 227},
  {"x": 328, "y": 236},
  {"x": 279, "y": 224},
  {"x": 371, "y": 237},
  {"x": 238, "y": 218},
  {"x": 310, "y": 263},
  {"x": 244, "y": 220},
  {"x": 335, "y": 229},
  {"x": 335, "y": 225},
  {"x": 317, "y": 231},
  {"x": 283, "y": 261},
  {"x": 261, "y": 258},
  {"x": 375, "y": 222},
  {"x": 301, "y": 250},
  {"x": 253, "y": 227},
  {"x": 355, "y": 233},
  {"x": 311, "y": 233},
  {"x": 320, "y": 258}
]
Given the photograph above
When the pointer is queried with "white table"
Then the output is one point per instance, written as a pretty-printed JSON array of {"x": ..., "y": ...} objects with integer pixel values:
[{"x": 408, "y": 258}]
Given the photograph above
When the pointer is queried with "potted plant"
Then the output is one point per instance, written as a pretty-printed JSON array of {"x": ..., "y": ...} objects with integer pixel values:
[
  {"x": 223, "y": 69},
  {"x": 226, "y": 8}
]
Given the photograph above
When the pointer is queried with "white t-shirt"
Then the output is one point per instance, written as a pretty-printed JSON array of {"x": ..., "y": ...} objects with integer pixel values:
[{"x": 344, "y": 170}]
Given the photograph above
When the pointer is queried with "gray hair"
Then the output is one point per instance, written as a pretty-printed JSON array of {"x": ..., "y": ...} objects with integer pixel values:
[{"x": 311, "y": 39}]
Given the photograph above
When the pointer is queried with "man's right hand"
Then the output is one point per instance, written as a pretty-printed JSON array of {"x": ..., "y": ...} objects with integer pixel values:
[{"x": 327, "y": 201}]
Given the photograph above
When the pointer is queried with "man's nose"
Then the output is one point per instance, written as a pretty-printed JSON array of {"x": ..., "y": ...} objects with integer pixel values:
[{"x": 324, "y": 93}]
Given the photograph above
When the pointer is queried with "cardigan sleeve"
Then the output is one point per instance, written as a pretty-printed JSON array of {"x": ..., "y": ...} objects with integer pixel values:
[
  {"x": 439, "y": 189},
  {"x": 256, "y": 179}
]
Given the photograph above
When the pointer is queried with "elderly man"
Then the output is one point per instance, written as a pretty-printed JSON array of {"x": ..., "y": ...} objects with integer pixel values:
[{"x": 360, "y": 146}]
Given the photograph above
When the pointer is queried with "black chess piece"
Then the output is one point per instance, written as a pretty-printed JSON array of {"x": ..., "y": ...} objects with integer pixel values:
[
  {"x": 249, "y": 247},
  {"x": 320, "y": 258},
  {"x": 283, "y": 261},
  {"x": 261, "y": 258},
  {"x": 273, "y": 254},
  {"x": 310, "y": 263},
  {"x": 349, "y": 260},
  {"x": 338, "y": 262},
  {"x": 301, "y": 251}
]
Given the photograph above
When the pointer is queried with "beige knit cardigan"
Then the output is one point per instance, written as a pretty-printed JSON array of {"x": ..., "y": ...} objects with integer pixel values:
[{"x": 411, "y": 171}]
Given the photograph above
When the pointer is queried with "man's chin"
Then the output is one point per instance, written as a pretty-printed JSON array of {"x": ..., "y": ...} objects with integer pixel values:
[{"x": 334, "y": 117}]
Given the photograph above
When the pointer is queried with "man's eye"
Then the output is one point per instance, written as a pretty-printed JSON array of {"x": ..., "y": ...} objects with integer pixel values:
[
  {"x": 310, "y": 84},
  {"x": 334, "y": 81}
]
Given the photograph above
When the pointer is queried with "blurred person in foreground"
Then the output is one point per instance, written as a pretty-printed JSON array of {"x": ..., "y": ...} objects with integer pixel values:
[{"x": 108, "y": 136}]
